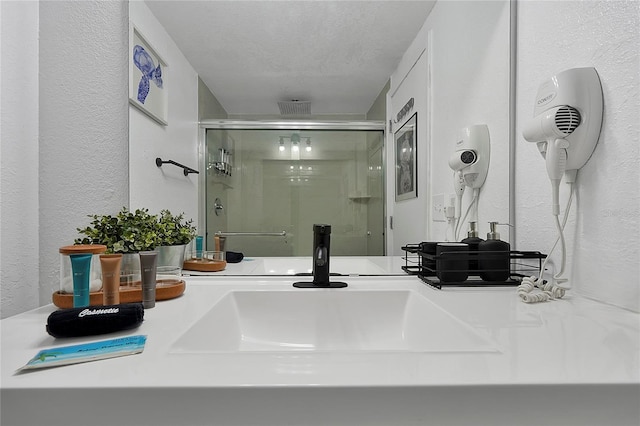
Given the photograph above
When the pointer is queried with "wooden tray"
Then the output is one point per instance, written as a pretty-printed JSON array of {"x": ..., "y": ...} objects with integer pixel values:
[
  {"x": 165, "y": 290},
  {"x": 204, "y": 265}
]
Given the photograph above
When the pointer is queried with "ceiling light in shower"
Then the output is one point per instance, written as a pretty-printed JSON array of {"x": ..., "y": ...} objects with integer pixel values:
[{"x": 295, "y": 142}]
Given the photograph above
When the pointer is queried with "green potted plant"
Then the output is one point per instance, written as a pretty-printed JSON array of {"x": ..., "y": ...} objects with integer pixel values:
[
  {"x": 174, "y": 233},
  {"x": 127, "y": 233},
  {"x": 174, "y": 229}
]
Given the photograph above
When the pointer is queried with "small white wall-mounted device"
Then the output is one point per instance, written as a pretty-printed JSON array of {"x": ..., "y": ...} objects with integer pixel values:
[
  {"x": 567, "y": 118},
  {"x": 470, "y": 164},
  {"x": 566, "y": 122},
  {"x": 471, "y": 156}
]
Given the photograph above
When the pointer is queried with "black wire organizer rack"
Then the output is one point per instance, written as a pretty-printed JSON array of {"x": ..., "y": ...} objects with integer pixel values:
[{"x": 428, "y": 266}]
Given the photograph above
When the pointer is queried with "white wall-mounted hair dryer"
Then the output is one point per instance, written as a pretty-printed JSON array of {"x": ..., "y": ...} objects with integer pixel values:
[
  {"x": 471, "y": 155},
  {"x": 470, "y": 163},
  {"x": 566, "y": 122}
]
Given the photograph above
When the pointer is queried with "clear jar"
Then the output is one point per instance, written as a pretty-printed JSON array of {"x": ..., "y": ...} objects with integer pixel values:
[{"x": 66, "y": 273}]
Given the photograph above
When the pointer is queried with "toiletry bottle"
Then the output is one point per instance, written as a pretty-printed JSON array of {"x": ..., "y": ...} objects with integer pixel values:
[
  {"x": 199, "y": 241},
  {"x": 452, "y": 263},
  {"x": 149, "y": 266},
  {"x": 81, "y": 267},
  {"x": 473, "y": 240},
  {"x": 110, "y": 264},
  {"x": 494, "y": 260}
]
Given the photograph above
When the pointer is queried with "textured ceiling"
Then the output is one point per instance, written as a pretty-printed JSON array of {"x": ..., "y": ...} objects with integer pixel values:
[{"x": 252, "y": 54}]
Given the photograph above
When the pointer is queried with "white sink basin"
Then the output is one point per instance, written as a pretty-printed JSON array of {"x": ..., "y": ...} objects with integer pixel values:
[{"x": 328, "y": 320}]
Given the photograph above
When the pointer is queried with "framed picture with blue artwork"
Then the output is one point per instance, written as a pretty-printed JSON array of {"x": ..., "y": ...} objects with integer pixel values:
[
  {"x": 147, "y": 78},
  {"x": 406, "y": 143}
]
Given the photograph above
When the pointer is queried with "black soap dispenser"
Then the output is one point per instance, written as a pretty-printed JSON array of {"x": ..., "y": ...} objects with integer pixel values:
[
  {"x": 494, "y": 260},
  {"x": 473, "y": 240}
]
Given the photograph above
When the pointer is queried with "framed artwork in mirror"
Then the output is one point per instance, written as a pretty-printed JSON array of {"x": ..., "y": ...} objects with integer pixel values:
[
  {"x": 147, "y": 78},
  {"x": 405, "y": 145}
]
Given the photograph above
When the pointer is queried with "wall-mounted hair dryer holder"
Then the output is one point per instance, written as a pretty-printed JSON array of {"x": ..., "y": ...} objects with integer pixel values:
[
  {"x": 471, "y": 155},
  {"x": 581, "y": 91}
]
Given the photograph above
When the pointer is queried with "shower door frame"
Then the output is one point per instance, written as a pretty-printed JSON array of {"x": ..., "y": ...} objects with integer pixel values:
[{"x": 234, "y": 124}]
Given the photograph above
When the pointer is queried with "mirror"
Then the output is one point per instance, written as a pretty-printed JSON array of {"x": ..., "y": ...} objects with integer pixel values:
[
  {"x": 283, "y": 181},
  {"x": 458, "y": 70},
  {"x": 55, "y": 40}
]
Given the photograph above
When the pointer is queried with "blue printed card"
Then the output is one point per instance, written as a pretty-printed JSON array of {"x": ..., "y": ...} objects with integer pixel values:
[{"x": 86, "y": 352}]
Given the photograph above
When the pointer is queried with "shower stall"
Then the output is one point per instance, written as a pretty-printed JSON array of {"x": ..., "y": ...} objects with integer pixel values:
[{"x": 267, "y": 183}]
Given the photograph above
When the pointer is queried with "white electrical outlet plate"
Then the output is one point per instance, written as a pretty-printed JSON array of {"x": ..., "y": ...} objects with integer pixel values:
[{"x": 437, "y": 208}]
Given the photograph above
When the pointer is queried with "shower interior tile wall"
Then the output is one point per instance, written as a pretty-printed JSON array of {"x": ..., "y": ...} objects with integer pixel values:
[{"x": 273, "y": 195}]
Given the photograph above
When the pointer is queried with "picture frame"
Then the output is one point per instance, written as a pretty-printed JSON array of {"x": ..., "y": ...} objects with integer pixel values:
[
  {"x": 406, "y": 155},
  {"x": 148, "y": 78}
]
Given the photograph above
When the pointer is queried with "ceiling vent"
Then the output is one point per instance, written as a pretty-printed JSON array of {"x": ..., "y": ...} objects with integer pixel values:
[{"x": 294, "y": 107}]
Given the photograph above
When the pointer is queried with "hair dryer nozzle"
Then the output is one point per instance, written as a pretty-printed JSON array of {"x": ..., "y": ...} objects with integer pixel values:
[
  {"x": 557, "y": 122},
  {"x": 461, "y": 159}
]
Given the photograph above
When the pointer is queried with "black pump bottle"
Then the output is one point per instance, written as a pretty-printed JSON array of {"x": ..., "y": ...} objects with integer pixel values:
[
  {"x": 473, "y": 240},
  {"x": 494, "y": 261}
]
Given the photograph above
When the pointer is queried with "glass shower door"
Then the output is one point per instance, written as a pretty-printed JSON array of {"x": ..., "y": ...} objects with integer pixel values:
[{"x": 266, "y": 188}]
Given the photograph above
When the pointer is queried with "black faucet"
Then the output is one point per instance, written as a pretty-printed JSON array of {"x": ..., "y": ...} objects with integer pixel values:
[{"x": 321, "y": 256}]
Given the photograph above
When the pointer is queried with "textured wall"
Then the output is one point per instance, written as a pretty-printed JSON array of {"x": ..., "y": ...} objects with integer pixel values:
[
  {"x": 602, "y": 233},
  {"x": 83, "y": 122},
  {"x": 19, "y": 156},
  {"x": 409, "y": 216},
  {"x": 165, "y": 187},
  {"x": 461, "y": 79}
]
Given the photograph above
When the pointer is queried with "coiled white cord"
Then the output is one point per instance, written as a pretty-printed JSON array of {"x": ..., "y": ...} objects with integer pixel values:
[{"x": 549, "y": 290}]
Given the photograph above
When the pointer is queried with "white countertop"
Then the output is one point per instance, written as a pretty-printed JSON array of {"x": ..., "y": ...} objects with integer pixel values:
[
  {"x": 574, "y": 343},
  {"x": 343, "y": 265}
]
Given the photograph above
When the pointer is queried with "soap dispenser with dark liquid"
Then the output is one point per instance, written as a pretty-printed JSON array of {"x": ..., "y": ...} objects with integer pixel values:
[
  {"x": 494, "y": 260},
  {"x": 473, "y": 240}
]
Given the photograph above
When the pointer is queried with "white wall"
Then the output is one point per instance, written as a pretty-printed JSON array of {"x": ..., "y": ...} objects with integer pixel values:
[
  {"x": 83, "y": 122},
  {"x": 461, "y": 79},
  {"x": 65, "y": 135},
  {"x": 19, "y": 157},
  {"x": 166, "y": 187},
  {"x": 602, "y": 234},
  {"x": 409, "y": 216}
]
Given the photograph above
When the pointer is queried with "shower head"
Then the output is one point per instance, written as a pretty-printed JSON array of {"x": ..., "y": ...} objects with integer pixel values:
[{"x": 294, "y": 107}]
